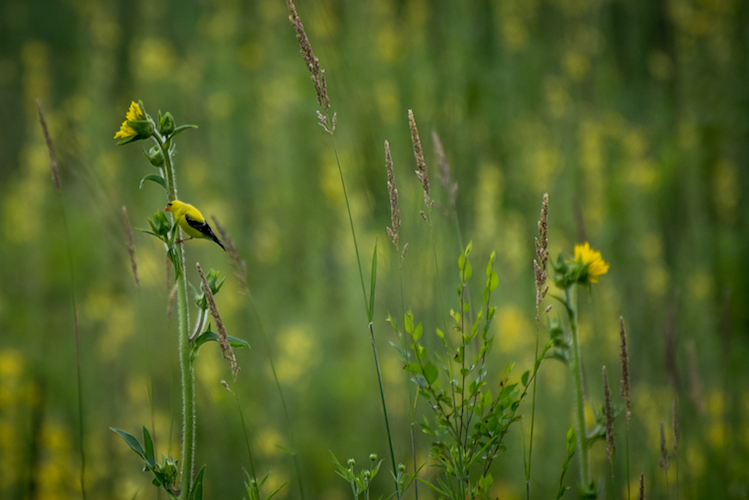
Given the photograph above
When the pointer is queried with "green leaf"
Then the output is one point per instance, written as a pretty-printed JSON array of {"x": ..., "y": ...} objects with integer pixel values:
[
  {"x": 468, "y": 272},
  {"x": 196, "y": 492},
  {"x": 524, "y": 378},
  {"x": 182, "y": 128},
  {"x": 493, "y": 281},
  {"x": 413, "y": 367},
  {"x": 431, "y": 373},
  {"x": 148, "y": 442},
  {"x": 209, "y": 336},
  {"x": 417, "y": 333},
  {"x": 132, "y": 442},
  {"x": 408, "y": 322},
  {"x": 373, "y": 281},
  {"x": 571, "y": 440},
  {"x": 155, "y": 178}
]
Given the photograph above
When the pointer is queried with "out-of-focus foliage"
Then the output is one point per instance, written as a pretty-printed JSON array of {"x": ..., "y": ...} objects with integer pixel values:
[{"x": 633, "y": 116}]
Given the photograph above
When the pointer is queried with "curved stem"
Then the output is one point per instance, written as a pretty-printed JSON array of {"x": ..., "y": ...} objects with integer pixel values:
[{"x": 570, "y": 295}]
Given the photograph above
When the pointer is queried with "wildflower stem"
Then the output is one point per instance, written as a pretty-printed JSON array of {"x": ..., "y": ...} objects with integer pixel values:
[
  {"x": 188, "y": 378},
  {"x": 570, "y": 295}
]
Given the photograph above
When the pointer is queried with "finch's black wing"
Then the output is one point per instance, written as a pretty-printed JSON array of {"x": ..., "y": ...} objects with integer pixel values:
[{"x": 203, "y": 228}]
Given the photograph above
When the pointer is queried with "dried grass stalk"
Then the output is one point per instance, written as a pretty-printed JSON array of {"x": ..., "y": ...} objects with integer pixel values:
[
  {"x": 642, "y": 486},
  {"x": 609, "y": 418},
  {"x": 445, "y": 179},
  {"x": 53, "y": 167},
  {"x": 542, "y": 252},
  {"x": 223, "y": 341},
  {"x": 663, "y": 462},
  {"x": 313, "y": 65},
  {"x": 395, "y": 214},
  {"x": 624, "y": 357},
  {"x": 239, "y": 265},
  {"x": 170, "y": 301},
  {"x": 421, "y": 166},
  {"x": 695, "y": 381},
  {"x": 130, "y": 245},
  {"x": 676, "y": 427}
]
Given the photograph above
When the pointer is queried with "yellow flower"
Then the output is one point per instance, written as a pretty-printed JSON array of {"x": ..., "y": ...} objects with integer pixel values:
[
  {"x": 596, "y": 266},
  {"x": 133, "y": 114}
]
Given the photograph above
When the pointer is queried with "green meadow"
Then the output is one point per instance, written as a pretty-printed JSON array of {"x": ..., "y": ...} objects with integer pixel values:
[{"x": 404, "y": 206}]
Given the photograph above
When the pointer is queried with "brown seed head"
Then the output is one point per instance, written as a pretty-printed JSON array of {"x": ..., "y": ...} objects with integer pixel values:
[
  {"x": 624, "y": 357},
  {"x": 313, "y": 65},
  {"x": 542, "y": 252},
  {"x": 609, "y": 418},
  {"x": 130, "y": 245},
  {"x": 395, "y": 215},
  {"x": 642, "y": 486},
  {"x": 53, "y": 168},
  {"x": 223, "y": 341},
  {"x": 663, "y": 462},
  {"x": 421, "y": 166},
  {"x": 445, "y": 180}
]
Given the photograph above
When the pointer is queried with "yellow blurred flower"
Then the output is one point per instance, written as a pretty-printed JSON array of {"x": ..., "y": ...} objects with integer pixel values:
[
  {"x": 133, "y": 114},
  {"x": 591, "y": 258}
]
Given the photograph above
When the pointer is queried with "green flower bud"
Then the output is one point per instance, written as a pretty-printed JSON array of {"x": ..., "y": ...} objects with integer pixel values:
[
  {"x": 373, "y": 457},
  {"x": 166, "y": 127},
  {"x": 155, "y": 156}
]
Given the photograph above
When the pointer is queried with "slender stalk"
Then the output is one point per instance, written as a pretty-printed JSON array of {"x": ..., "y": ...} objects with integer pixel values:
[
  {"x": 369, "y": 314},
  {"x": 81, "y": 424},
  {"x": 571, "y": 300},
  {"x": 626, "y": 444},
  {"x": 267, "y": 346},
  {"x": 533, "y": 421},
  {"x": 188, "y": 377}
]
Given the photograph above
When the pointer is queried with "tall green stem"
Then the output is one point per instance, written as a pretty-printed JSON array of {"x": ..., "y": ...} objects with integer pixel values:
[
  {"x": 188, "y": 377},
  {"x": 577, "y": 367}
]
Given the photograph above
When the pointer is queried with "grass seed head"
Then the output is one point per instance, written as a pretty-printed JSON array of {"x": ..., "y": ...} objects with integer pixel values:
[
  {"x": 624, "y": 357},
  {"x": 313, "y": 65},
  {"x": 445, "y": 179},
  {"x": 53, "y": 167},
  {"x": 395, "y": 215},
  {"x": 609, "y": 418},
  {"x": 130, "y": 245},
  {"x": 223, "y": 341},
  {"x": 421, "y": 165}
]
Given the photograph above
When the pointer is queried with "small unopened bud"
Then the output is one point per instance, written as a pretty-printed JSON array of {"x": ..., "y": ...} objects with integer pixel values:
[
  {"x": 373, "y": 457},
  {"x": 401, "y": 468},
  {"x": 166, "y": 126},
  {"x": 351, "y": 462},
  {"x": 155, "y": 156}
]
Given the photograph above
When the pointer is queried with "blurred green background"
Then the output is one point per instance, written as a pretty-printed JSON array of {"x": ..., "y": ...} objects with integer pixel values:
[{"x": 632, "y": 115}]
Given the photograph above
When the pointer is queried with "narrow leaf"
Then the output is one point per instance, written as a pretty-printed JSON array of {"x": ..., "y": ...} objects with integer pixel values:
[
  {"x": 148, "y": 443},
  {"x": 132, "y": 442},
  {"x": 155, "y": 178},
  {"x": 372, "y": 283},
  {"x": 196, "y": 492}
]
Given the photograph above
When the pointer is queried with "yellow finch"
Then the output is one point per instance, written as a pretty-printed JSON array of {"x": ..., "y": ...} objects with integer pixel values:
[{"x": 191, "y": 221}]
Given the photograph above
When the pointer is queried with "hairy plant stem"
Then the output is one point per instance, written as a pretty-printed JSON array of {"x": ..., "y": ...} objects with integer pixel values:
[
  {"x": 570, "y": 295},
  {"x": 188, "y": 376},
  {"x": 369, "y": 316}
]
